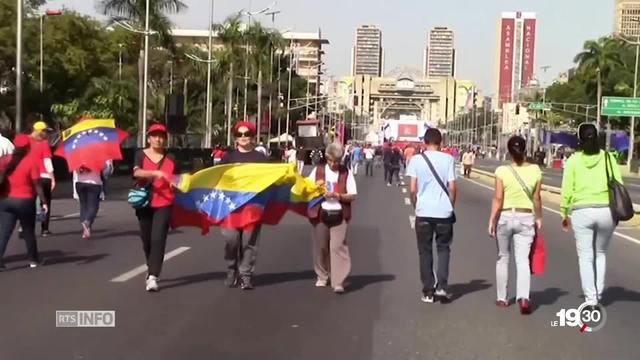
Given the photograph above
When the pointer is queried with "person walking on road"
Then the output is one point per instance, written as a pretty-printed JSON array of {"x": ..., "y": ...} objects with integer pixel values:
[
  {"x": 369, "y": 156},
  {"x": 395, "y": 163},
  {"x": 18, "y": 188},
  {"x": 330, "y": 220},
  {"x": 41, "y": 150},
  {"x": 153, "y": 165},
  {"x": 585, "y": 194},
  {"x": 356, "y": 158},
  {"x": 516, "y": 215},
  {"x": 88, "y": 189},
  {"x": 301, "y": 157},
  {"x": 241, "y": 248},
  {"x": 468, "y": 159},
  {"x": 433, "y": 195}
]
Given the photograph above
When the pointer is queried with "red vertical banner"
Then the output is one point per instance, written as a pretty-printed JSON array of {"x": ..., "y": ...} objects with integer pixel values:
[
  {"x": 528, "y": 50},
  {"x": 506, "y": 60}
]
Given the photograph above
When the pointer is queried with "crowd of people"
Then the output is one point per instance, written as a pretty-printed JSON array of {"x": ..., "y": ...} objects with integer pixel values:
[{"x": 26, "y": 182}]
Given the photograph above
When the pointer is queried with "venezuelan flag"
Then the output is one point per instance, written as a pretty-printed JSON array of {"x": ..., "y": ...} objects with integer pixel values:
[
  {"x": 90, "y": 143},
  {"x": 242, "y": 195}
]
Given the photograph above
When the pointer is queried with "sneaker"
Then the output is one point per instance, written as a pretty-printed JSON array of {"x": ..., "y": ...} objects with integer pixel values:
[
  {"x": 525, "y": 309},
  {"x": 444, "y": 295},
  {"x": 321, "y": 283},
  {"x": 338, "y": 290},
  {"x": 35, "y": 264},
  {"x": 152, "y": 283},
  {"x": 86, "y": 230},
  {"x": 427, "y": 298},
  {"x": 232, "y": 279},
  {"x": 45, "y": 233},
  {"x": 388, "y": 184},
  {"x": 502, "y": 304},
  {"x": 245, "y": 283}
]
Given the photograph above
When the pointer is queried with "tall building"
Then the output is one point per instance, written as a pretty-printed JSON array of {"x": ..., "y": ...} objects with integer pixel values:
[
  {"x": 516, "y": 54},
  {"x": 367, "y": 55},
  {"x": 440, "y": 55},
  {"x": 627, "y": 17}
]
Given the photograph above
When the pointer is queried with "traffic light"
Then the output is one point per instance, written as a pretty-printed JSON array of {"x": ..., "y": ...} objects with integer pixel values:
[{"x": 475, "y": 98}]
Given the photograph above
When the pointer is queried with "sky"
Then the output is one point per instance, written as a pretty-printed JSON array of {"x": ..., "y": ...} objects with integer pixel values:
[{"x": 563, "y": 26}]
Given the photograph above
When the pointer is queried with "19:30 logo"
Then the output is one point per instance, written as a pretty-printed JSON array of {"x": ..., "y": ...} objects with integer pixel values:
[{"x": 586, "y": 318}]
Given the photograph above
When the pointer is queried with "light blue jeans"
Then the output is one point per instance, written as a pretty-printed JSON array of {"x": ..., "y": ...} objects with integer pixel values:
[
  {"x": 518, "y": 228},
  {"x": 593, "y": 229}
]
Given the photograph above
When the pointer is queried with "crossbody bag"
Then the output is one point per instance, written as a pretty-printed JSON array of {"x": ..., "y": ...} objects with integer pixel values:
[{"x": 440, "y": 182}]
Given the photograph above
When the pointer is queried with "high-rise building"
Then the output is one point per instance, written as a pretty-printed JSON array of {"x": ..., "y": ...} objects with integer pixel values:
[
  {"x": 627, "y": 17},
  {"x": 440, "y": 55},
  {"x": 516, "y": 54},
  {"x": 367, "y": 55}
]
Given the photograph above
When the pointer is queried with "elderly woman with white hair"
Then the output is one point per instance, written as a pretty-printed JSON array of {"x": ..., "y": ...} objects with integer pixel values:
[{"x": 331, "y": 260}]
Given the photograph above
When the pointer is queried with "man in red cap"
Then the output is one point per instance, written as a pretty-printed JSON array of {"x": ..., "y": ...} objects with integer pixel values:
[{"x": 241, "y": 249}]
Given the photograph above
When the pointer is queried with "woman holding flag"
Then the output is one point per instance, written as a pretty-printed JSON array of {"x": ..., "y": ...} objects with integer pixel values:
[
  {"x": 241, "y": 249},
  {"x": 153, "y": 166}
]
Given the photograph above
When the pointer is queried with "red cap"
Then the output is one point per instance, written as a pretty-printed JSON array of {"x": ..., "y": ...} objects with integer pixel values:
[
  {"x": 157, "y": 128},
  {"x": 22, "y": 140},
  {"x": 249, "y": 125}
]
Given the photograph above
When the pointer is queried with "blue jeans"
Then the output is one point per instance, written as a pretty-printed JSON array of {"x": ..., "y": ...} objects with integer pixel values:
[
  {"x": 518, "y": 228},
  {"x": 593, "y": 229},
  {"x": 89, "y": 196}
]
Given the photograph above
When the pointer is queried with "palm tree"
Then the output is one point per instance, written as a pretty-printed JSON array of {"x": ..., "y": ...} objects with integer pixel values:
[
  {"x": 135, "y": 11},
  {"x": 231, "y": 35},
  {"x": 601, "y": 57}
]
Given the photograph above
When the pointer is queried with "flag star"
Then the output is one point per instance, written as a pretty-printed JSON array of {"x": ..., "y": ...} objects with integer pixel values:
[
  {"x": 232, "y": 206},
  {"x": 101, "y": 134},
  {"x": 221, "y": 196},
  {"x": 228, "y": 201},
  {"x": 105, "y": 138}
]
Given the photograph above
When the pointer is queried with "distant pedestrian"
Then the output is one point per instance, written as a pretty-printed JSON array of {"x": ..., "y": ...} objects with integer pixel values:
[
  {"x": 241, "y": 244},
  {"x": 395, "y": 163},
  {"x": 41, "y": 150},
  {"x": 301, "y": 158},
  {"x": 433, "y": 195},
  {"x": 356, "y": 158},
  {"x": 468, "y": 159},
  {"x": 369, "y": 156},
  {"x": 330, "y": 219},
  {"x": 516, "y": 215},
  {"x": 88, "y": 189},
  {"x": 585, "y": 194},
  {"x": 18, "y": 188},
  {"x": 387, "y": 151},
  {"x": 217, "y": 154},
  {"x": 262, "y": 149},
  {"x": 155, "y": 168}
]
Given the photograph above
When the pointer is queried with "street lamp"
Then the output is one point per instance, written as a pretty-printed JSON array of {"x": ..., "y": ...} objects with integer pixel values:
[
  {"x": 46, "y": 13},
  {"x": 19, "y": 11}
]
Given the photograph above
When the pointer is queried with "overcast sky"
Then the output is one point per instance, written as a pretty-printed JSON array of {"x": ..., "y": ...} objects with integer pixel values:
[{"x": 563, "y": 26}]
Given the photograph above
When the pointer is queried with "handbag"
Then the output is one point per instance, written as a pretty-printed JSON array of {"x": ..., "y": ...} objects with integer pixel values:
[
  {"x": 331, "y": 218},
  {"x": 536, "y": 253},
  {"x": 140, "y": 197},
  {"x": 440, "y": 182},
  {"x": 619, "y": 200}
]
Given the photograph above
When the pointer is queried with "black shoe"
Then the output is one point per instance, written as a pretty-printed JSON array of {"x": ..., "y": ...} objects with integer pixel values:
[
  {"x": 232, "y": 279},
  {"x": 245, "y": 283}
]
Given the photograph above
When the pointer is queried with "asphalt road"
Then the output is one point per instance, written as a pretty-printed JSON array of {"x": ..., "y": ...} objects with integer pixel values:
[
  {"x": 286, "y": 317},
  {"x": 553, "y": 177}
]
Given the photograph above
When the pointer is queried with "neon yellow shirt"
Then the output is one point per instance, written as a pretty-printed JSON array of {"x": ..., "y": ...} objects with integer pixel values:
[{"x": 514, "y": 195}]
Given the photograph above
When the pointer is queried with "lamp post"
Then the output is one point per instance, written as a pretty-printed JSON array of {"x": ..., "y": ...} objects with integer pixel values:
[
  {"x": 146, "y": 73},
  {"x": 635, "y": 94},
  {"x": 208, "y": 121},
  {"x": 19, "y": 65},
  {"x": 46, "y": 13}
]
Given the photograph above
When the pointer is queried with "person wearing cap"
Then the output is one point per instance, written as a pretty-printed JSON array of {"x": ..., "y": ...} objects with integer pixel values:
[
  {"x": 18, "y": 188},
  {"x": 41, "y": 151},
  {"x": 155, "y": 167},
  {"x": 516, "y": 215},
  {"x": 241, "y": 248},
  {"x": 585, "y": 194}
]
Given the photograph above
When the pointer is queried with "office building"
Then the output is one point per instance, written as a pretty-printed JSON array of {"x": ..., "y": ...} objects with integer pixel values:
[
  {"x": 627, "y": 17},
  {"x": 367, "y": 54},
  {"x": 439, "y": 59}
]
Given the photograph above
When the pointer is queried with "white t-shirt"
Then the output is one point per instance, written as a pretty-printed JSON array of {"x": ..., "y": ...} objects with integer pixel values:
[
  {"x": 468, "y": 158},
  {"x": 331, "y": 183},
  {"x": 291, "y": 155},
  {"x": 369, "y": 153}
]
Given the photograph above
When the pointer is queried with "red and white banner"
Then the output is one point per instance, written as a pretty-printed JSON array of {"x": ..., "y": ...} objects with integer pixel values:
[
  {"x": 506, "y": 60},
  {"x": 407, "y": 131},
  {"x": 528, "y": 50}
]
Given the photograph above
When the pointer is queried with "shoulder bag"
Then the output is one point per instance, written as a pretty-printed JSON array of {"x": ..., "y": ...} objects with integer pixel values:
[
  {"x": 619, "y": 200},
  {"x": 440, "y": 182},
  {"x": 140, "y": 196}
]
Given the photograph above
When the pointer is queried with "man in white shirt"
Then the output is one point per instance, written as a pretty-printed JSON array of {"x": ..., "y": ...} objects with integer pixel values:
[
  {"x": 369, "y": 154},
  {"x": 468, "y": 159}
]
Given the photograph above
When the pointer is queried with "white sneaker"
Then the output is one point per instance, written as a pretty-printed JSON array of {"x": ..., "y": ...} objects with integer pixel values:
[
  {"x": 152, "y": 283},
  {"x": 338, "y": 290},
  {"x": 427, "y": 299},
  {"x": 321, "y": 283}
]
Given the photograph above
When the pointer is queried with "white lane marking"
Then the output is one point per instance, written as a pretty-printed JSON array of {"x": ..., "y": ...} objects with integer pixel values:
[
  {"x": 143, "y": 268},
  {"x": 626, "y": 237},
  {"x": 412, "y": 221},
  {"x": 404, "y": 190},
  {"x": 407, "y": 201},
  {"x": 67, "y": 216}
]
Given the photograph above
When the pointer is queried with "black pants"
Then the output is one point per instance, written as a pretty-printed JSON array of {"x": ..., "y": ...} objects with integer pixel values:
[
  {"x": 467, "y": 171},
  {"x": 46, "y": 188},
  {"x": 89, "y": 196},
  {"x": 154, "y": 226},
  {"x": 393, "y": 171},
  {"x": 23, "y": 210},
  {"x": 368, "y": 167},
  {"x": 425, "y": 232}
]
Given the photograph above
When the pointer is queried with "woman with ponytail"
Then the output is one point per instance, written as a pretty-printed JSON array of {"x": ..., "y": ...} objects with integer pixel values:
[
  {"x": 585, "y": 193},
  {"x": 516, "y": 215}
]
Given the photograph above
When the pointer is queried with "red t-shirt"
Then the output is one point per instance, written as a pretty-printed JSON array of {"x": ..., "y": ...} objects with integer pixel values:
[
  {"x": 161, "y": 191},
  {"x": 40, "y": 150},
  {"x": 20, "y": 182}
]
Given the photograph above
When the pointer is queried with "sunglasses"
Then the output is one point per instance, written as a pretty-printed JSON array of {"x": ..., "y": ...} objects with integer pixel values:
[{"x": 239, "y": 134}]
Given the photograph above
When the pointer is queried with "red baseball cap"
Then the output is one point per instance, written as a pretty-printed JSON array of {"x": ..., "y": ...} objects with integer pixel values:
[
  {"x": 249, "y": 125},
  {"x": 21, "y": 140},
  {"x": 157, "y": 128}
]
